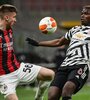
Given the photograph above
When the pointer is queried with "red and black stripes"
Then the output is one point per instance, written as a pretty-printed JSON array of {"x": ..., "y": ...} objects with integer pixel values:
[{"x": 8, "y": 62}]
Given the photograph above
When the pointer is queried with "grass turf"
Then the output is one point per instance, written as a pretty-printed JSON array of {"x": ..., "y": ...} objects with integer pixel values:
[{"x": 28, "y": 94}]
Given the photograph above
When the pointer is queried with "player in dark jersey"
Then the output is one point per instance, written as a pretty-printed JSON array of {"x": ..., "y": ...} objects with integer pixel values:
[
  {"x": 12, "y": 72},
  {"x": 73, "y": 72}
]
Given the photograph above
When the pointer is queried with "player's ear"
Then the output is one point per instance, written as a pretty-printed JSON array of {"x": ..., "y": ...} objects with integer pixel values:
[{"x": 6, "y": 17}]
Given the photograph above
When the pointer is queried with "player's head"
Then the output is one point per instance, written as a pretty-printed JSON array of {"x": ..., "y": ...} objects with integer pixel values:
[
  {"x": 85, "y": 15},
  {"x": 8, "y": 14}
]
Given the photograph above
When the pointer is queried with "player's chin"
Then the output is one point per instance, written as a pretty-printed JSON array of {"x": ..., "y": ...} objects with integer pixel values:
[{"x": 83, "y": 22}]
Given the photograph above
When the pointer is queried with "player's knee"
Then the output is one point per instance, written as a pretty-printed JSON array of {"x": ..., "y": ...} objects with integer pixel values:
[
  {"x": 52, "y": 74},
  {"x": 11, "y": 97},
  {"x": 46, "y": 74},
  {"x": 54, "y": 93},
  {"x": 68, "y": 89},
  {"x": 53, "y": 96}
]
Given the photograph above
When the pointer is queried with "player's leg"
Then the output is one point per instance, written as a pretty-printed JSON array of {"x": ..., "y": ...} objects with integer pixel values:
[
  {"x": 45, "y": 74},
  {"x": 76, "y": 80},
  {"x": 54, "y": 93},
  {"x": 56, "y": 85},
  {"x": 42, "y": 87},
  {"x": 30, "y": 72},
  {"x": 12, "y": 97},
  {"x": 8, "y": 85},
  {"x": 70, "y": 87}
]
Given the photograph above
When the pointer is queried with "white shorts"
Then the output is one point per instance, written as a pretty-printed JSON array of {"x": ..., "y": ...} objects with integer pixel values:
[{"x": 27, "y": 73}]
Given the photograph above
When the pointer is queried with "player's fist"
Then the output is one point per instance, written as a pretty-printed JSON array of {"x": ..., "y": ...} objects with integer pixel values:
[{"x": 32, "y": 42}]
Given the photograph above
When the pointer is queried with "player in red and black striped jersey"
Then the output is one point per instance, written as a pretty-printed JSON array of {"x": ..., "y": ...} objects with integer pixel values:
[
  {"x": 12, "y": 72},
  {"x": 8, "y": 61}
]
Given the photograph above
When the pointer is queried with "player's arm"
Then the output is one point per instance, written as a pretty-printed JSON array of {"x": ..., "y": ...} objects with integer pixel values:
[{"x": 52, "y": 43}]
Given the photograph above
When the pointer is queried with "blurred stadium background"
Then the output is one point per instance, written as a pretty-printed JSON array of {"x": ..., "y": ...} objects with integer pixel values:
[{"x": 30, "y": 12}]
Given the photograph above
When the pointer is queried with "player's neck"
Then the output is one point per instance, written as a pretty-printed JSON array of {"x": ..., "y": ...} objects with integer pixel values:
[{"x": 88, "y": 24}]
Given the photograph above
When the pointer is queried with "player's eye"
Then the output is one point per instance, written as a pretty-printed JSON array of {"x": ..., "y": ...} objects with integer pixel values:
[{"x": 84, "y": 13}]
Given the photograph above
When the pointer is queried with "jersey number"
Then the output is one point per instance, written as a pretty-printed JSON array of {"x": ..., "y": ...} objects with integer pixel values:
[{"x": 27, "y": 68}]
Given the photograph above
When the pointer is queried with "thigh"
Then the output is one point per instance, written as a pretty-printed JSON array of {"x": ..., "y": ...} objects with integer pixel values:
[
  {"x": 46, "y": 74},
  {"x": 57, "y": 84},
  {"x": 54, "y": 93},
  {"x": 79, "y": 76},
  {"x": 28, "y": 73},
  {"x": 59, "y": 79},
  {"x": 8, "y": 84}
]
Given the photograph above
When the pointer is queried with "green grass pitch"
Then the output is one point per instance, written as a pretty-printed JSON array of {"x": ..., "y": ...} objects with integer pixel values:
[{"x": 28, "y": 94}]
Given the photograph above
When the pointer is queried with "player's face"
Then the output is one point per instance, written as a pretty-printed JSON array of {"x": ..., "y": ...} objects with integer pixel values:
[
  {"x": 10, "y": 18},
  {"x": 85, "y": 17}
]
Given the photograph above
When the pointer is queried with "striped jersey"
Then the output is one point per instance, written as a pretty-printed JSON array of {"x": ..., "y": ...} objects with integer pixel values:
[
  {"x": 78, "y": 51},
  {"x": 8, "y": 61}
]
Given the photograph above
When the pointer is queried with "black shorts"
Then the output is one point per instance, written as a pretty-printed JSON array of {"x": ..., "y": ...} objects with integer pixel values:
[{"x": 77, "y": 74}]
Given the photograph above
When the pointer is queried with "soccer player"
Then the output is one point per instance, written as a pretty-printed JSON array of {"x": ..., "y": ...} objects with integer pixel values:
[
  {"x": 73, "y": 72},
  {"x": 12, "y": 72}
]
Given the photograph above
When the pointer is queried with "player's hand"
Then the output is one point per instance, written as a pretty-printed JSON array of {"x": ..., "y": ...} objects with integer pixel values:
[{"x": 32, "y": 42}]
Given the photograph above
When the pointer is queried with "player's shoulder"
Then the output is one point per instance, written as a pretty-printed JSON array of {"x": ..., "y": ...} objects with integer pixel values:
[
  {"x": 76, "y": 27},
  {"x": 81, "y": 27}
]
